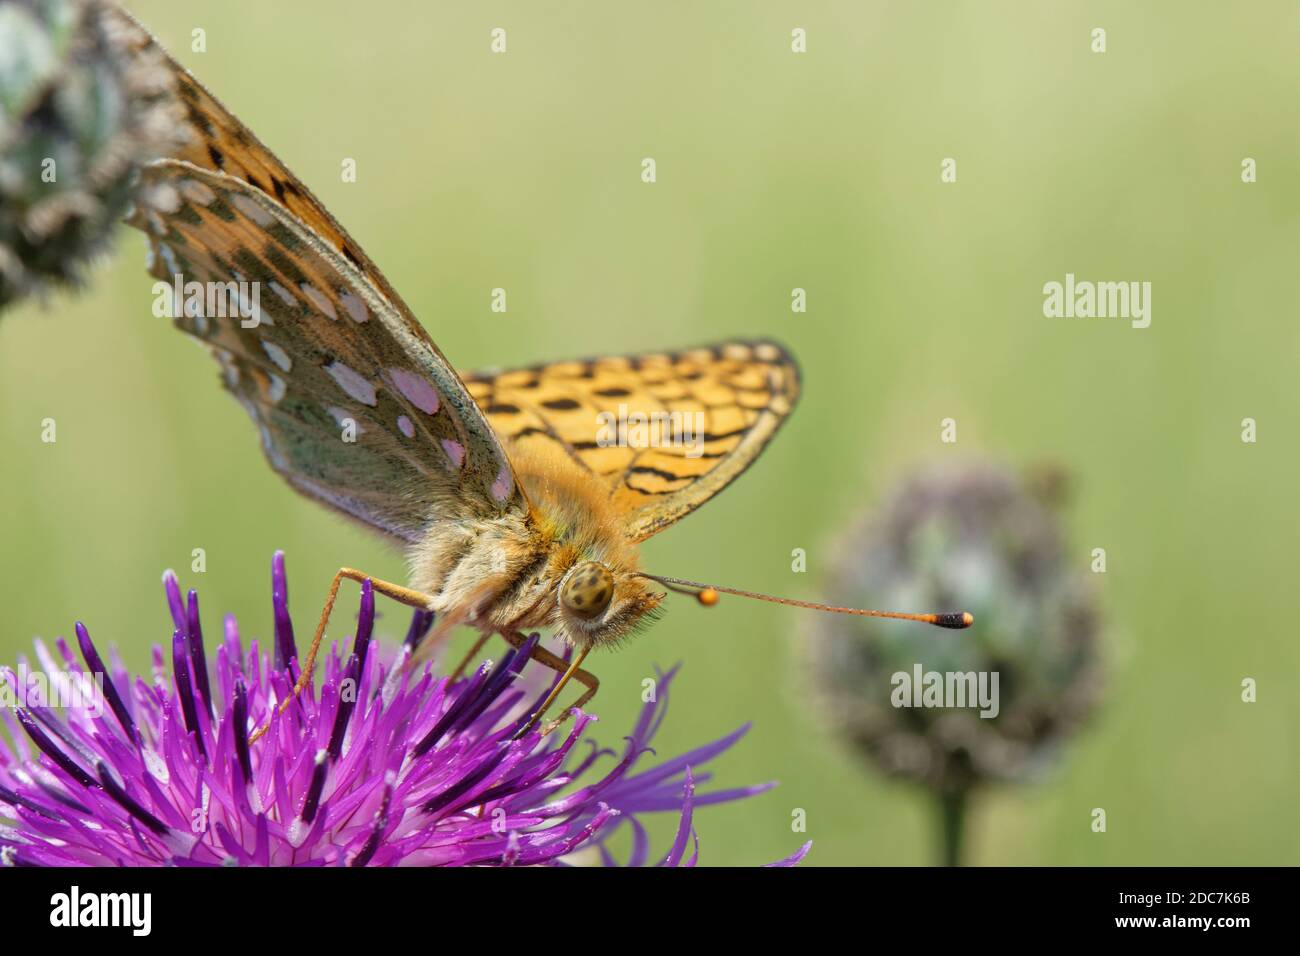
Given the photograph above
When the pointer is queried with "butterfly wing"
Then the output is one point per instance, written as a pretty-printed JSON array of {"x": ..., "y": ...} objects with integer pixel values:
[
  {"x": 355, "y": 405},
  {"x": 336, "y": 345},
  {"x": 700, "y": 416},
  {"x": 216, "y": 140},
  {"x": 743, "y": 390}
]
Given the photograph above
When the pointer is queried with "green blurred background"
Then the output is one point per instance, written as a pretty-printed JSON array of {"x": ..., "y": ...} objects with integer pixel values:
[{"x": 775, "y": 170}]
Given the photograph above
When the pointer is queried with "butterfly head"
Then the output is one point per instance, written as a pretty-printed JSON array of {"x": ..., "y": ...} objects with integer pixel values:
[{"x": 601, "y": 604}]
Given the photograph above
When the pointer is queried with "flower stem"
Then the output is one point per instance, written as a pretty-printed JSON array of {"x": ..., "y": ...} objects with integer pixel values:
[{"x": 952, "y": 825}]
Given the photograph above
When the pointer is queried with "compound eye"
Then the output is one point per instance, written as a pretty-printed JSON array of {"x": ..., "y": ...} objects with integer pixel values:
[{"x": 588, "y": 590}]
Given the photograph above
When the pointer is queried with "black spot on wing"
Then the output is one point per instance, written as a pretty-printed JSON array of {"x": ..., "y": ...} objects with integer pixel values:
[
  {"x": 221, "y": 209},
  {"x": 281, "y": 234},
  {"x": 284, "y": 265},
  {"x": 657, "y": 472}
]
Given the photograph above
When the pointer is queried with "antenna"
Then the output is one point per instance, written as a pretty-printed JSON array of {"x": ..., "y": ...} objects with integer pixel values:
[{"x": 707, "y": 594}]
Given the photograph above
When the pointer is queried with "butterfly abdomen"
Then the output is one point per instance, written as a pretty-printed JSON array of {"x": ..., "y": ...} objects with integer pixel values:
[{"x": 467, "y": 563}]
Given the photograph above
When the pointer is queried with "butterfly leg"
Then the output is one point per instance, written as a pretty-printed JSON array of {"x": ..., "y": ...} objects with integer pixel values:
[
  {"x": 567, "y": 671},
  {"x": 415, "y": 599}
]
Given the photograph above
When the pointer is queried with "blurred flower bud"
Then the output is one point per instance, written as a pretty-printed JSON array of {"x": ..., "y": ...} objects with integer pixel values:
[
  {"x": 976, "y": 539},
  {"x": 82, "y": 104}
]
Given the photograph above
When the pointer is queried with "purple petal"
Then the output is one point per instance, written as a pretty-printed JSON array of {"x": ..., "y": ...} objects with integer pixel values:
[
  {"x": 376, "y": 765},
  {"x": 794, "y": 858}
]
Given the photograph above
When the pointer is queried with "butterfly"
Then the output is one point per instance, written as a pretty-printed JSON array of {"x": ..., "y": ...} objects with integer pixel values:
[{"x": 519, "y": 495}]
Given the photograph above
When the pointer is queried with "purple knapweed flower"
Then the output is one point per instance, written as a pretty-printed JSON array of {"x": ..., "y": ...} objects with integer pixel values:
[{"x": 387, "y": 765}]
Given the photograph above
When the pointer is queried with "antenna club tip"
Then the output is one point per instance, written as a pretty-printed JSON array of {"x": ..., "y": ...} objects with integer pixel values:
[
  {"x": 708, "y": 597},
  {"x": 955, "y": 620}
]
